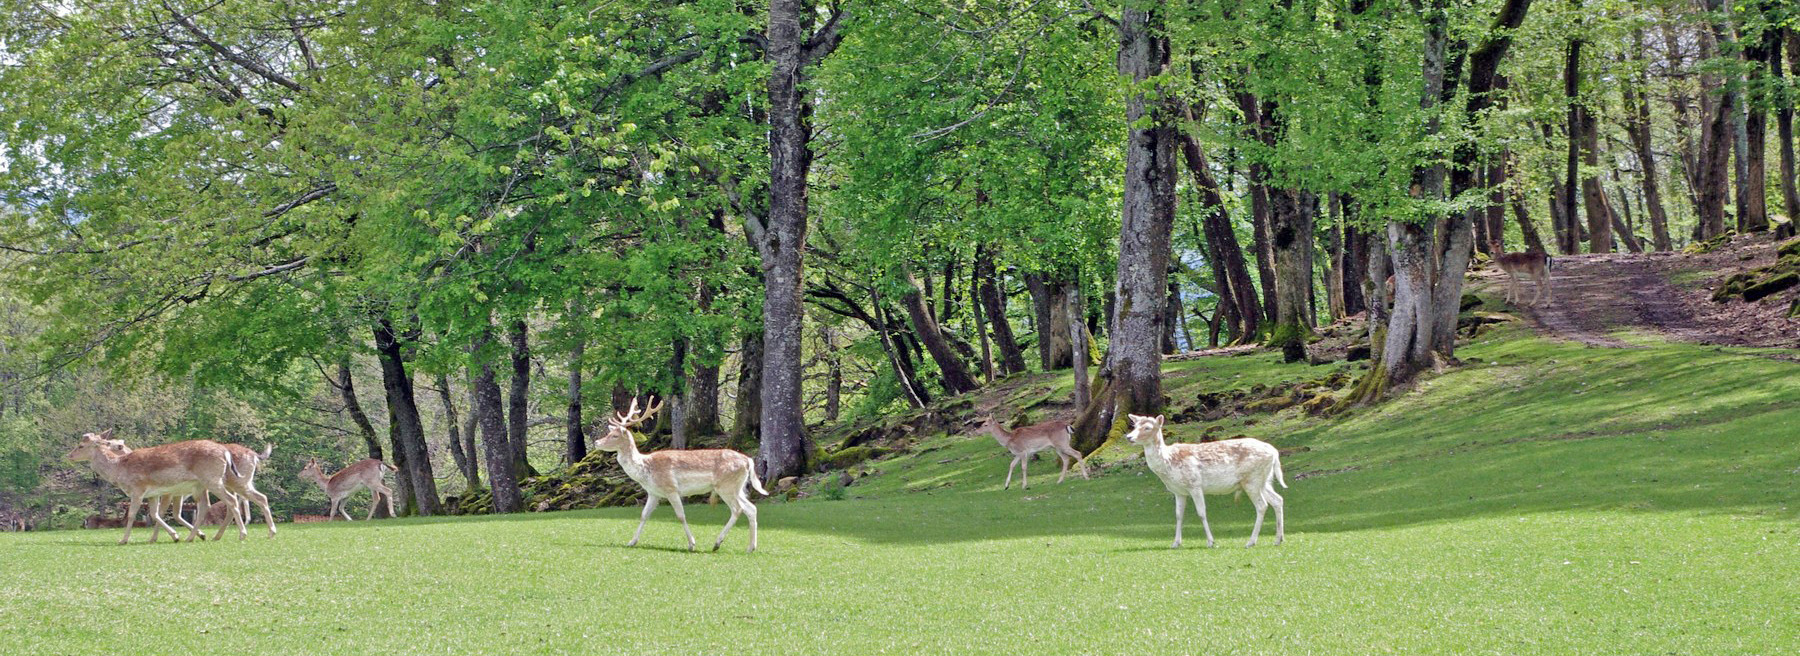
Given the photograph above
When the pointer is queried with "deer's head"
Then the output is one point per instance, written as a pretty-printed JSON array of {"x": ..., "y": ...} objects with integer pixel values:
[
  {"x": 91, "y": 445},
  {"x": 1145, "y": 430}
]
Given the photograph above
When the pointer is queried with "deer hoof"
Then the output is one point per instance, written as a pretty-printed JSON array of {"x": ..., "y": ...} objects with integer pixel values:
[{"x": 1177, "y": 545}]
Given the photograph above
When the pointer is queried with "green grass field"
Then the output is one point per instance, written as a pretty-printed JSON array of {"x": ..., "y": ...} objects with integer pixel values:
[{"x": 1547, "y": 499}]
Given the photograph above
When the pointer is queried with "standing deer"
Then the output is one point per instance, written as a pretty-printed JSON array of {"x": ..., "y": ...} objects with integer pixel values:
[
  {"x": 1196, "y": 470},
  {"x": 241, "y": 481},
  {"x": 1523, "y": 265},
  {"x": 671, "y": 474},
  {"x": 364, "y": 473},
  {"x": 1024, "y": 441},
  {"x": 158, "y": 470}
]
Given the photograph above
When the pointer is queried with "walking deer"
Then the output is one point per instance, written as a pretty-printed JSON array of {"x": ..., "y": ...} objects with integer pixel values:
[
  {"x": 671, "y": 474},
  {"x": 1227, "y": 466},
  {"x": 241, "y": 481},
  {"x": 154, "y": 471},
  {"x": 364, "y": 473},
  {"x": 1535, "y": 266},
  {"x": 1024, "y": 441}
]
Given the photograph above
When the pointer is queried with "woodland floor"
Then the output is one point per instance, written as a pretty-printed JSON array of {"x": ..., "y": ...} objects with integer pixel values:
[{"x": 1667, "y": 294}]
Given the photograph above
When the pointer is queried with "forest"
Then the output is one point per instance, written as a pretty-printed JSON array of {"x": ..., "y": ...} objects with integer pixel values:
[{"x": 457, "y": 235}]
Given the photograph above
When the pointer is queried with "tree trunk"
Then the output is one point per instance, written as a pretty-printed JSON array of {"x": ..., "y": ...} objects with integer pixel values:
[
  {"x": 1577, "y": 121},
  {"x": 405, "y": 430},
  {"x": 1638, "y": 128},
  {"x": 746, "y": 421},
  {"x": 955, "y": 376},
  {"x": 1715, "y": 138},
  {"x": 1784, "y": 125},
  {"x": 455, "y": 438},
  {"x": 518, "y": 415},
  {"x": 1133, "y": 359},
  {"x": 1260, "y": 211},
  {"x": 1356, "y": 261},
  {"x": 1753, "y": 187},
  {"x": 574, "y": 439},
  {"x": 473, "y": 474},
  {"x": 916, "y": 394},
  {"x": 1012, "y": 360},
  {"x": 675, "y": 394},
  {"x": 346, "y": 387},
  {"x": 1599, "y": 211},
  {"x": 834, "y": 374},
  {"x": 1053, "y": 320},
  {"x": 1231, "y": 272},
  {"x": 490, "y": 407},
  {"x": 1078, "y": 338},
  {"x": 1291, "y": 237},
  {"x": 979, "y": 313},
  {"x": 783, "y": 244},
  {"x": 1334, "y": 258}
]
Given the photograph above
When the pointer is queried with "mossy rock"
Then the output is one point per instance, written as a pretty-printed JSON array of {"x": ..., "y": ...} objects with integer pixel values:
[
  {"x": 1790, "y": 248},
  {"x": 1769, "y": 287},
  {"x": 1794, "y": 309},
  {"x": 1271, "y": 404},
  {"x": 852, "y": 456},
  {"x": 1319, "y": 405},
  {"x": 1469, "y": 301},
  {"x": 1733, "y": 286}
]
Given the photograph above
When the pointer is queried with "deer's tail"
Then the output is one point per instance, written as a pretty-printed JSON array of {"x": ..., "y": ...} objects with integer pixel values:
[
  {"x": 1280, "y": 477},
  {"x": 756, "y": 483},
  {"x": 231, "y": 465},
  {"x": 267, "y": 449},
  {"x": 388, "y": 466}
]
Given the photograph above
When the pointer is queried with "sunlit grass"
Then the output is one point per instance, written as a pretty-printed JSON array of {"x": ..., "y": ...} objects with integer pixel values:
[{"x": 1546, "y": 499}]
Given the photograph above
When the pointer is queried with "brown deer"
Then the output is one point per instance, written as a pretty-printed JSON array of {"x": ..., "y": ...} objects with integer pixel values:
[
  {"x": 671, "y": 474},
  {"x": 1025, "y": 441},
  {"x": 1535, "y": 266},
  {"x": 1227, "y": 466},
  {"x": 358, "y": 475},
  {"x": 158, "y": 470},
  {"x": 242, "y": 482}
]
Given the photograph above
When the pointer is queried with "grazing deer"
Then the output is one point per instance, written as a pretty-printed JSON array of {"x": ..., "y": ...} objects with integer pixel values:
[
  {"x": 1196, "y": 470},
  {"x": 364, "y": 473},
  {"x": 158, "y": 470},
  {"x": 1025, "y": 441},
  {"x": 671, "y": 474},
  {"x": 1523, "y": 265},
  {"x": 241, "y": 481}
]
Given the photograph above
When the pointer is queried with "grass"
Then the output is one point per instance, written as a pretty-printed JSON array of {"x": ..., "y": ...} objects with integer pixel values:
[{"x": 1546, "y": 499}]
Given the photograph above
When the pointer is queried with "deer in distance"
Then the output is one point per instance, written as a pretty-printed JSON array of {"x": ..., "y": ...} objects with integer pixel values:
[
  {"x": 242, "y": 482},
  {"x": 1025, "y": 441},
  {"x": 670, "y": 474},
  {"x": 155, "y": 471},
  {"x": 358, "y": 475},
  {"x": 1243, "y": 465},
  {"x": 1515, "y": 266}
]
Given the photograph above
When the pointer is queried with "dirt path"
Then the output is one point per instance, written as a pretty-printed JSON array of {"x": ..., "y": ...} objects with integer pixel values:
[{"x": 1598, "y": 295}]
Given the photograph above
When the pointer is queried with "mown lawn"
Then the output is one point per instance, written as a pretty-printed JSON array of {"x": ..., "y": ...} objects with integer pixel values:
[{"x": 1549, "y": 499}]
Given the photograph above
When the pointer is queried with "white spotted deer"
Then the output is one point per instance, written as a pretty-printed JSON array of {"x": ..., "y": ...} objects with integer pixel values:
[
  {"x": 151, "y": 472},
  {"x": 358, "y": 475},
  {"x": 1515, "y": 266},
  {"x": 671, "y": 474},
  {"x": 1195, "y": 470},
  {"x": 1024, "y": 441}
]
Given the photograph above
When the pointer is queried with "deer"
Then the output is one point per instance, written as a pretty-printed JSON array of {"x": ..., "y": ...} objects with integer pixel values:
[
  {"x": 1025, "y": 441},
  {"x": 1245, "y": 465},
  {"x": 670, "y": 474},
  {"x": 242, "y": 482},
  {"x": 1533, "y": 265},
  {"x": 154, "y": 471},
  {"x": 363, "y": 473}
]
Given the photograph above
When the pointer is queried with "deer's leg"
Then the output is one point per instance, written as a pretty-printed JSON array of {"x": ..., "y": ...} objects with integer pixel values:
[
  {"x": 1262, "y": 505},
  {"x": 1009, "y": 469},
  {"x": 156, "y": 506},
  {"x": 1280, "y": 511},
  {"x": 374, "y": 500},
  {"x": 1062, "y": 459},
  {"x": 681, "y": 514},
  {"x": 338, "y": 503},
  {"x": 1025, "y": 472},
  {"x": 248, "y": 494},
  {"x": 749, "y": 510},
  {"x": 389, "y": 494},
  {"x": 131, "y": 516},
  {"x": 1200, "y": 509},
  {"x": 735, "y": 503},
  {"x": 1180, "y": 509},
  {"x": 156, "y": 514},
  {"x": 650, "y": 501},
  {"x": 179, "y": 502},
  {"x": 1080, "y": 461}
]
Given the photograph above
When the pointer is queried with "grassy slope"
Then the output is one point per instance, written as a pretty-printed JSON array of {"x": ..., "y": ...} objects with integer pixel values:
[{"x": 1550, "y": 499}]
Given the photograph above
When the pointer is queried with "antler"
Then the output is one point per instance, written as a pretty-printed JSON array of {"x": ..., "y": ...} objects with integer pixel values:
[{"x": 633, "y": 417}]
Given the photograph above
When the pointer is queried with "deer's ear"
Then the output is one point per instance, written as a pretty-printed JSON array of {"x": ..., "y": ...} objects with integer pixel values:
[
  {"x": 1160, "y": 420},
  {"x": 106, "y": 434}
]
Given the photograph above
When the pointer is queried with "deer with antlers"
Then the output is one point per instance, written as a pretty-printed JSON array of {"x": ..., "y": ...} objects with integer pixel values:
[
  {"x": 363, "y": 473},
  {"x": 671, "y": 474},
  {"x": 1025, "y": 441},
  {"x": 1515, "y": 266},
  {"x": 1243, "y": 465},
  {"x": 152, "y": 472}
]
